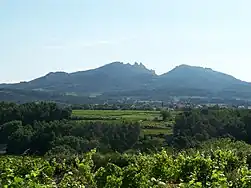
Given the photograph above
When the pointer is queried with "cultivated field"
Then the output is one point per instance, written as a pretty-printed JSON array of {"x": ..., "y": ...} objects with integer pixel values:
[
  {"x": 118, "y": 114},
  {"x": 151, "y": 121}
]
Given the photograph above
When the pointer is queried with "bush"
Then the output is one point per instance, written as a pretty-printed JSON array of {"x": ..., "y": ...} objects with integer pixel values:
[{"x": 219, "y": 168}]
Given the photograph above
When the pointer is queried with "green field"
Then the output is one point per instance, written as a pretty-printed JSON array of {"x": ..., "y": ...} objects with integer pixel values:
[
  {"x": 156, "y": 131},
  {"x": 145, "y": 118},
  {"x": 119, "y": 114}
]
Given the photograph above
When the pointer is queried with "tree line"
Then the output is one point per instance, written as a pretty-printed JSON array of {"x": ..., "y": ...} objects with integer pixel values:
[
  {"x": 197, "y": 125},
  {"x": 46, "y": 128},
  {"x": 40, "y": 128}
]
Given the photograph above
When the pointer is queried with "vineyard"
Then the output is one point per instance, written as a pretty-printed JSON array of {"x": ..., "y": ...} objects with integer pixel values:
[
  {"x": 217, "y": 168},
  {"x": 43, "y": 145},
  {"x": 150, "y": 121}
]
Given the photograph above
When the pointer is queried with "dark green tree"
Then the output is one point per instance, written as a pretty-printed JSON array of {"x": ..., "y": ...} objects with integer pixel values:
[{"x": 165, "y": 114}]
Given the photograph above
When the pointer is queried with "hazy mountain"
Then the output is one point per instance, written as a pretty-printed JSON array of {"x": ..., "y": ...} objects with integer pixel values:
[
  {"x": 111, "y": 77},
  {"x": 118, "y": 79},
  {"x": 22, "y": 96},
  {"x": 185, "y": 76}
]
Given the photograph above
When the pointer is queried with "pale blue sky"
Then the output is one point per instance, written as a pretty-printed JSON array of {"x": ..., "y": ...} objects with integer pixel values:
[{"x": 40, "y": 36}]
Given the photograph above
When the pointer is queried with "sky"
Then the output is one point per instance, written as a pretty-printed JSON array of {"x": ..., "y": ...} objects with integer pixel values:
[{"x": 42, "y": 36}]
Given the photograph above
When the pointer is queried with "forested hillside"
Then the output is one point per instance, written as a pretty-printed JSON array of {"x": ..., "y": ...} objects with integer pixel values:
[
  {"x": 111, "y": 77},
  {"x": 125, "y": 80}
]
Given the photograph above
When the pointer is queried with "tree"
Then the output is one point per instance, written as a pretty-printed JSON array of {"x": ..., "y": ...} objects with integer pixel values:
[
  {"x": 20, "y": 140},
  {"x": 165, "y": 114},
  {"x": 7, "y": 129}
]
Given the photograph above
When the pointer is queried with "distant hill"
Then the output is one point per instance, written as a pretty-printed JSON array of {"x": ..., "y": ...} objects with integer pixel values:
[
  {"x": 23, "y": 96},
  {"x": 112, "y": 77},
  {"x": 119, "y": 79},
  {"x": 185, "y": 76}
]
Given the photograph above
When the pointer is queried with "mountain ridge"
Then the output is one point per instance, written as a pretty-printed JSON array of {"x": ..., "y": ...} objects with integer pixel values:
[
  {"x": 113, "y": 76},
  {"x": 118, "y": 62},
  {"x": 129, "y": 78}
]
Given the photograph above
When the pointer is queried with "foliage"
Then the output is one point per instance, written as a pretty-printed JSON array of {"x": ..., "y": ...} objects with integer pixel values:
[
  {"x": 28, "y": 113},
  {"x": 43, "y": 127},
  {"x": 195, "y": 126},
  {"x": 40, "y": 128},
  {"x": 96, "y": 154},
  {"x": 165, "y": 114},
  {"x": 220, "y": 168}
]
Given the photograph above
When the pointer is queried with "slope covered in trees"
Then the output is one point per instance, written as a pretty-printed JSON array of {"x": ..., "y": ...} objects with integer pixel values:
[
  {"x": 112, "y": 77},
  {"x": 125, "y": 80}
]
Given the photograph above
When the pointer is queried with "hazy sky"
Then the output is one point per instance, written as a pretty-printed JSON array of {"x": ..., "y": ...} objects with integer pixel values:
[{"x": 41, "y": 36}]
